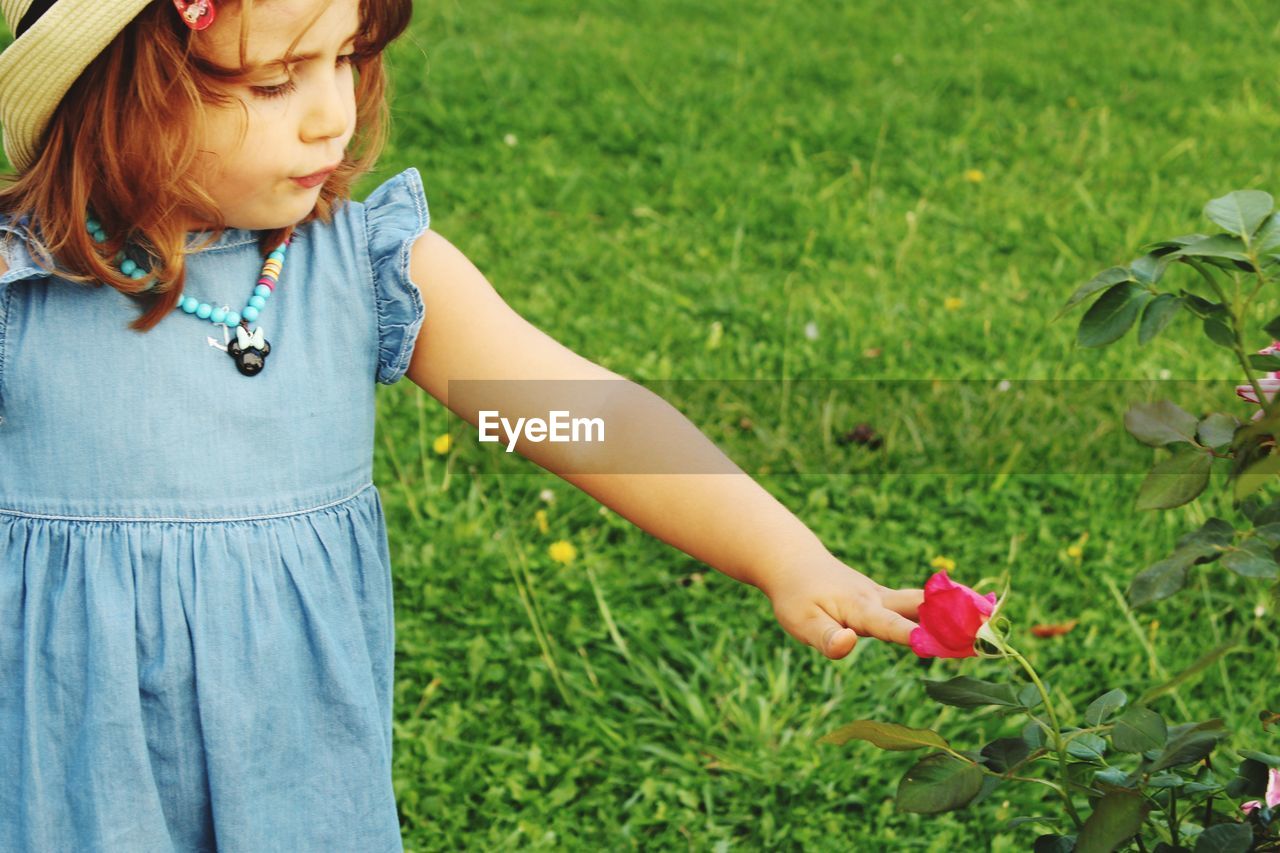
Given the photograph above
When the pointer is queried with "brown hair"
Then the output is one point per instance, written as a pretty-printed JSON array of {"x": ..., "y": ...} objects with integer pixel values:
[{"x": 123, "y": 140}]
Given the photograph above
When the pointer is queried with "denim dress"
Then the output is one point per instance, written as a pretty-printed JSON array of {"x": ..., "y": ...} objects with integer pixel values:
[{"x": 196, "y": 619}]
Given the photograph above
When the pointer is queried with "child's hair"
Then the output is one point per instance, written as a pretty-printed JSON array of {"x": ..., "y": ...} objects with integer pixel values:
[{"x": 123, "y": 140}]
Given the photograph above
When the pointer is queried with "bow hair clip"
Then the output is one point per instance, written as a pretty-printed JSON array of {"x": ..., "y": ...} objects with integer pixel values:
[{"x": 196, "y": 14}]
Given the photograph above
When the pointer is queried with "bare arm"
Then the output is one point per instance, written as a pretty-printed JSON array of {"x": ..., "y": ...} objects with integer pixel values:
[{"x": 726, "y": 520}]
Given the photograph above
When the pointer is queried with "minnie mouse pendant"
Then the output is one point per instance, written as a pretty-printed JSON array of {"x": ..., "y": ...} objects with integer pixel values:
[
  {"x": 196, "y": 14},
  {"x": 250, "y": 350}
]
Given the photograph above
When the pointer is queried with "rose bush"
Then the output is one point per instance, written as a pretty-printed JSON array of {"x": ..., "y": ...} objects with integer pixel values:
[{"x": 1120, "y": 774}]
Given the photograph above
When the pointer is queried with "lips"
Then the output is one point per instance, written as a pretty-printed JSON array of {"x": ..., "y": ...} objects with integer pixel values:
[{"x": 320, "y": 174}]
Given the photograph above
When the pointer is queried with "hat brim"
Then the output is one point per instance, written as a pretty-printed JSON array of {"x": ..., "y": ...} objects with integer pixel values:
[{"x": 37, "y": 70}]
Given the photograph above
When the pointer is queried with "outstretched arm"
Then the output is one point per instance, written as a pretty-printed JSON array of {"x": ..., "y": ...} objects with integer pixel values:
[{"x": 726, "y": 520}]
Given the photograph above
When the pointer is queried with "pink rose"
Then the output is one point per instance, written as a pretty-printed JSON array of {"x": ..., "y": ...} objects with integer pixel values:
[
  {"x": 1270, "y": 384},
  {"x": 1273, "y": 793},
  {"x": 950, "y": 618}
]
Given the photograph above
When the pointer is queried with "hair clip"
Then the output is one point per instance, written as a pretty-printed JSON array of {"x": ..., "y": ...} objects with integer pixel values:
[{"x": 196, "y": 14}]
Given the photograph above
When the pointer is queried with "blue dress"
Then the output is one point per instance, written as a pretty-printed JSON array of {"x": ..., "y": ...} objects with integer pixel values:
[{"x": 196, "y": 620}]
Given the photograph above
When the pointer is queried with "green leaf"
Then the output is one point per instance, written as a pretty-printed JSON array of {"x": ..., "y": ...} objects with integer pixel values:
[
  {"x": 1190, "y": 745},
  {"x": 1219, "y": 331},
  {"x": 1116, "y": 818},
  {"x": 1254, "y": 558},
  {"x": 1269, "y": 533},
  {"x": 1158, "y": 581},
  {"x": 1033, "y": 735},
  {"x": 1261, "y": 757},
  {"x": 1201, "y": 307},
  {"x": 938, "y": 783},
  {"x": 1138, "y": 730},
  {"x": 1102, "y": 280},
  {"x": 1273, "y": 328},
  {"x": 1005, "y": 753},
  {"x": 1267, "y": 237},
  {"x": 1104, "y": 706},
  {"x": 1176, "y": 480},
  {"x": 1202, "y": 663},
  {"x": 1054, "y": 844},
  {"x": 1264, "y": 361},
  {"x": 1112, "y": 776},
  {"x": 1206, "y": 542},
  {"x": 1225, "y": 838},
  {"x": 1222, "y": 246},
  {"x": 886, "y": 735},
  {"x": 1250, "y": 780},
  {"x": 1160, "y": 423},
  {"x": 1158, "y": 314},
  {"x": 1217, "y": 429},
  {"x": 1089, "y": 747},
  {"x": 1112, "y": 315},
  {"x": 965, "y": 692},
  {"x": 1150, "y": 268},
  {"x": 1029, "y": 697},
  {"x": 1240, "y": 212},
  {"x": 1257, "y": 475}
]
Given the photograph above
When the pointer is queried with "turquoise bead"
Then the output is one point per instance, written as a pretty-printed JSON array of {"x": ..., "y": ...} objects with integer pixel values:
[
  {"x": 218, "y": 315},
  {"x": 100, "y": 235},
  {"x": 138, "y": 275},
  {"x": 263, "y": 291},
  {"x": 233, "y": 319},
  {"x": 128, "y": 266},
  {"x": 250, "y": 313},
  {"x": 257, "y": 302},
  {"x": 92, "y": 224},
  {"x": 204, "y": 310},
  {"x": 189, "y": 304}
]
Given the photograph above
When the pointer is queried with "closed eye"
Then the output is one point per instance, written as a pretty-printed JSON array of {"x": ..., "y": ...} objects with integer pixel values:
[{"x": 281, "y": 89}]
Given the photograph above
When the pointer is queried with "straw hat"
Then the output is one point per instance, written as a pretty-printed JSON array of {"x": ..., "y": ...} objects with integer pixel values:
[{"x": 55, "y": 42}]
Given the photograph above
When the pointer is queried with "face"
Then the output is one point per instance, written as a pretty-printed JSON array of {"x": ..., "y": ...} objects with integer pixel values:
[{"x": 298, "y": 122}]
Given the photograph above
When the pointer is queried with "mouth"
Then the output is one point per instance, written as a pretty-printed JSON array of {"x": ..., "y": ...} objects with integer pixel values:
[
  {"x": 323, "y": 173},
  {"x": 315, "y": 179}
]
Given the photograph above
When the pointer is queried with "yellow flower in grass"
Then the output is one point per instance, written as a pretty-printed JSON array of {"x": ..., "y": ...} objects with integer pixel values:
[
  {"x": 562, "y": 551},
  {"x": 441, "y": 444},
  {"x": 943, "y": 564},
  {"x": 952, "y": 303},
  {"x": 541, "y": 518},
  {"x": 1075, "y": 552},
  {"x": 974, "y": 176}
]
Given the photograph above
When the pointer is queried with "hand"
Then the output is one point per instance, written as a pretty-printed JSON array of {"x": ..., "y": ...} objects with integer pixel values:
[{"x": 829, "y": 606}]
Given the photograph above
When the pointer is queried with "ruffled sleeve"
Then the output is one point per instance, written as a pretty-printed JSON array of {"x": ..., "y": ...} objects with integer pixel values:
[
  {"x": 395, "y": 216},
  {"x": 20, "y": 266}
]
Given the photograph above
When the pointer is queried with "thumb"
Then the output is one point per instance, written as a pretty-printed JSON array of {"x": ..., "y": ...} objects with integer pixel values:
[{"x": 830, "y": 637}]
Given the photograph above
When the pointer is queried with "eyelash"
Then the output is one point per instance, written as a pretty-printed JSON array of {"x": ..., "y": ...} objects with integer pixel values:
[{"x": 285, "y": 88}]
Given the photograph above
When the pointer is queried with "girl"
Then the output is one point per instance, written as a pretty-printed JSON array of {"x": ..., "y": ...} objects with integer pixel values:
[{"x": 197, "y": 638}]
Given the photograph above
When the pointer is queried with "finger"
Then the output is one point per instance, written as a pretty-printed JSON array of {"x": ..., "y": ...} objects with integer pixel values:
[
  {"x": 830, "y": 637},
  {"x": 905, "y": 602},
  {"x": 885, "y": 624}
]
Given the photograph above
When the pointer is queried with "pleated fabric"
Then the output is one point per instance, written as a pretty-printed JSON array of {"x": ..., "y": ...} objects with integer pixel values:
[{"x": 196, "y": 617}]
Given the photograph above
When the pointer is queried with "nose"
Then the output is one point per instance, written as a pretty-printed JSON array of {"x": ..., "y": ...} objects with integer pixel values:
[{"x": 327, "y": 113}]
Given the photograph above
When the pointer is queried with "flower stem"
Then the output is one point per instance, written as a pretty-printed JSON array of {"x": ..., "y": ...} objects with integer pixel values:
[
  {"x": 1238, "y": 339},
  {"x": 1059, "y": 745}
]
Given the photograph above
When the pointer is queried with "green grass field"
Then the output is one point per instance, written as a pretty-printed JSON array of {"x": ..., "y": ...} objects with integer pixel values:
[{"x": 640, "y": 179}]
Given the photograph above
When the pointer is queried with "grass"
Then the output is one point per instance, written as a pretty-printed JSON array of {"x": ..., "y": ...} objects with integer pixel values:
[{"x": 675, "y": 190}]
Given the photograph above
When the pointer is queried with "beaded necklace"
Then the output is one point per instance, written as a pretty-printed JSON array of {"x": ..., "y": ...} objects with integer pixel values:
[{"x": 250, "y": 348}]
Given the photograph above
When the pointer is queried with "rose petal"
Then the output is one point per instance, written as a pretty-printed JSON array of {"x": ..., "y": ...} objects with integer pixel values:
[
  {"x": 952, "y": 617},
  {"x": 1273, "y": 788},
  {"x": 1250, "y": 807},
  {"x": 926, "y": 645}
]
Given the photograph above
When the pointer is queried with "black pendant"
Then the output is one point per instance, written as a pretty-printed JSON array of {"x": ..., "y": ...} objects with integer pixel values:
[{"x": 250, "y": 350}]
